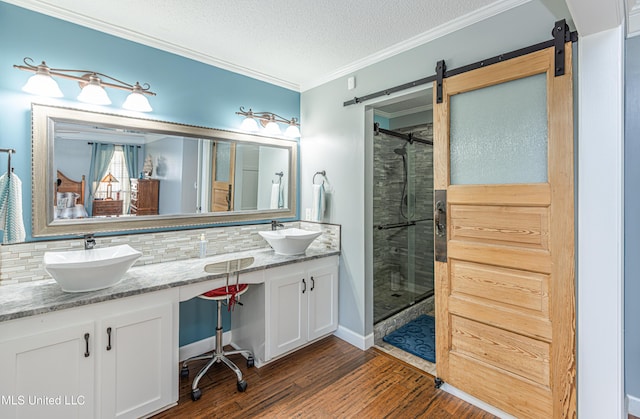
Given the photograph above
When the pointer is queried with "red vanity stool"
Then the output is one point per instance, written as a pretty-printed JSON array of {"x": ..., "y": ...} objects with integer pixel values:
[{"x": 230, "y": 294}]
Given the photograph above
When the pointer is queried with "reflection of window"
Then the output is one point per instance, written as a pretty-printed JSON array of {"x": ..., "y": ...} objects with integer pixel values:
[{"x": 120, "y": 189}]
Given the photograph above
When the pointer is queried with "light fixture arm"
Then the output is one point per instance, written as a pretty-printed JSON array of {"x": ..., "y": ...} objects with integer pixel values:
[
  {"x": 267, "y": 116},
  {"x": 84, "y": 78}
]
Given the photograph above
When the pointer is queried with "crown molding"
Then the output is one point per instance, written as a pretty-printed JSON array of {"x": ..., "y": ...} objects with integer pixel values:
[
  {"x": 108, "y": 28},
  {"x": 102, "y": 26},
  {"x": 423, "y": 38}
]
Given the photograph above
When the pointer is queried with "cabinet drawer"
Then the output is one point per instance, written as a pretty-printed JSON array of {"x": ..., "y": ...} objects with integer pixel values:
[{"x": 106, "y": 208}]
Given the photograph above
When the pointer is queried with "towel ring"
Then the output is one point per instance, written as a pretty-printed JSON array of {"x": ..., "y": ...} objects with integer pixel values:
[{"x": 323, "y": 173}]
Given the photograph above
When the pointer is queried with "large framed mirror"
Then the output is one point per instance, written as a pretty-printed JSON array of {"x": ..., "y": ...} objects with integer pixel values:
[{"x": 97, "y": 172}]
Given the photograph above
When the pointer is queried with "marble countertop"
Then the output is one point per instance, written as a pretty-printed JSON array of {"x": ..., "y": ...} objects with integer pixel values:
[{"x": 38, "y": 297}]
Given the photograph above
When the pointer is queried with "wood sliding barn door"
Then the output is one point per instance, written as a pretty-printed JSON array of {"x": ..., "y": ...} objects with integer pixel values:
[
  {"x": 222, "y": 184},
  {"x": 505, "y": 293}
]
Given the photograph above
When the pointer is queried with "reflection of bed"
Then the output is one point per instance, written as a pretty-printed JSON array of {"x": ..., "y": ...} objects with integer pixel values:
[{"x": 68, "y": 201}]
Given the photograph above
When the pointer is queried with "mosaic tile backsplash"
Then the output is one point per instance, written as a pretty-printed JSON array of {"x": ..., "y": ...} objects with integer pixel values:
[{"x": 23, "y": 262}]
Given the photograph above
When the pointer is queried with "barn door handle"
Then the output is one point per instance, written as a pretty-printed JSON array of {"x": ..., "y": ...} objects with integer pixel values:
[
  {"x": 440, "y": 218},
  {"x": 440, "y": 225}
]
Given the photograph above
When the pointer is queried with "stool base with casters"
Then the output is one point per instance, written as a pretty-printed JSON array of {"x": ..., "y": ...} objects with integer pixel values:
[{"x": 219, "y": 355}]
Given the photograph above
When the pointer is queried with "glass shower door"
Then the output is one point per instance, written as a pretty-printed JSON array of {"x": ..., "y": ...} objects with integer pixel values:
[{"x": 403, "y": 239}]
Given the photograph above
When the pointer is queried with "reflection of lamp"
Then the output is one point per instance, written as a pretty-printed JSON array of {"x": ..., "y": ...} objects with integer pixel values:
[{"x": 109, "y": 178}]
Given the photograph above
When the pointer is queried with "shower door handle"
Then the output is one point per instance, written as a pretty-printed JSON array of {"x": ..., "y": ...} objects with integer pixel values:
[{"x": 440, "y": 225}]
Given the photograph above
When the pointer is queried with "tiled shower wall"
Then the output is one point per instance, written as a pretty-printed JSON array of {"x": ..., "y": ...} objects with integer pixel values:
[
  {"x": 23, "y": 262},
  {"x": 391, "y": 246}
]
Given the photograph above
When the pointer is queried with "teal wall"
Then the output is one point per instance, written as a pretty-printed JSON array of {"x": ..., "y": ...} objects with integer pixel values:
[
  {"x": 384, "y": 122},
  {"x": 188, "y": 92}
]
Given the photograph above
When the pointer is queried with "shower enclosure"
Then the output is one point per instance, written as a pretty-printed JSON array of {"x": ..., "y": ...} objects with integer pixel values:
[{"x": 402, "y": 219}]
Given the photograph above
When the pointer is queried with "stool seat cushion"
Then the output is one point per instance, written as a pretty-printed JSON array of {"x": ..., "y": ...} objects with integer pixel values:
[{"x": 223, "y": 292}]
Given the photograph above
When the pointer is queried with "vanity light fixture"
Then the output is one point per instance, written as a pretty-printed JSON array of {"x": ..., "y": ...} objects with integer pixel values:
[
  {"x": 92, "y": 83},
  {"x": 269, "y": 121}
]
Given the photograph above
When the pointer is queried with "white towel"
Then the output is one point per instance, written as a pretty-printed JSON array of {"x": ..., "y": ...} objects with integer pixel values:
[
  {"x": 275, "y": 195},
  {"x": 11, "y": 222},
  {"x": 317, "y": 208}
]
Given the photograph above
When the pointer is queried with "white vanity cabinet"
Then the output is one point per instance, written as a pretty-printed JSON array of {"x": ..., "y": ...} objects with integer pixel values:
[
  {"x": 303, "y": 304},
  {"x": 138, "y": 365},
  {"x": 297, "y": 304},
  {"x": 49, "y": 370},
  {"x": 66, "y": 363}
]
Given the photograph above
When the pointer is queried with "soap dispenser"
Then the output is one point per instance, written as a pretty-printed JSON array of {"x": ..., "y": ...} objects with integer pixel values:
[{"x": 203, "y": 246}]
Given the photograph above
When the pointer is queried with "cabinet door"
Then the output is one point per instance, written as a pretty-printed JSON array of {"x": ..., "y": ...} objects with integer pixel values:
[
  {"x": 288, "y": 311},
  {"x": 323, "y": 300},
  {"x": 136, "y": 362},
  {"x": 49, "y": 374}
]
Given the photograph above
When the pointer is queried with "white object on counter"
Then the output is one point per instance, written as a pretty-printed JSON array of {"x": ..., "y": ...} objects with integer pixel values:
[{"x": 203, "y": 246}]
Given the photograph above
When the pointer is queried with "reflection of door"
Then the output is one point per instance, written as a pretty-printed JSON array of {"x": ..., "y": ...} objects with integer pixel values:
[
  {"x": 223, "y": 173},
  {"x": 505, "y": 306}
]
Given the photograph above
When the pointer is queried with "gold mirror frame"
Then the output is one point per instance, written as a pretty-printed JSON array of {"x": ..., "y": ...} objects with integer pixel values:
[{"x": 43, "y": 174}]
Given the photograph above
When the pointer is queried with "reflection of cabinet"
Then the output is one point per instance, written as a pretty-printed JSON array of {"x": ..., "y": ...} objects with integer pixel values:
[
  {"x": 103, "y": 365},
  {"x": 144, "y": 196},
  {"x": 297, "y": 304},
  {"x": 105, "y": 208}
]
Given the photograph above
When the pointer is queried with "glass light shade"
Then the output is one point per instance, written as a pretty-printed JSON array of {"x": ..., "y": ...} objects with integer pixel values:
[
  {"x": 109, "y": 178},
  {"x": 42, "y": 85},
  {"x": 272, "y": 128},
  {"x": 137, "y": 102},
  {"x": 292, "y": 131},
  {"x": 249, "y": 124},
  {"x": 94, "y": 93}
]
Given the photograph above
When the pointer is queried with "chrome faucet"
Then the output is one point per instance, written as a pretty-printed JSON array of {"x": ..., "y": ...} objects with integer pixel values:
[
  {"x": 275, "y": 225},
  {"x": 89, "y": 242}
]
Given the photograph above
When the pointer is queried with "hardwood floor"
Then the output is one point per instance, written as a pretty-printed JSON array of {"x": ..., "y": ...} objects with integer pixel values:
[{"x": 328, "y": 379}]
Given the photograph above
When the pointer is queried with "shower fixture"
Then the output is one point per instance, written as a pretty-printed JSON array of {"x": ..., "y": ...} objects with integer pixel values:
[
  {"x": 404, "y": 201},
  {"x": 400, "y": 151}
]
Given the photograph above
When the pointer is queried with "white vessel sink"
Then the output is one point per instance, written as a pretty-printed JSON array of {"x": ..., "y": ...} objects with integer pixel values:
[
  {"x": 229, "y": 266},
  {"x": 90, "y": 270},
  {"x": 290, "y": 241}
]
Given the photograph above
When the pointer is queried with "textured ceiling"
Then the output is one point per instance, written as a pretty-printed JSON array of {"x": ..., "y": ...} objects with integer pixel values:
[{"x": 292, "y": 43}]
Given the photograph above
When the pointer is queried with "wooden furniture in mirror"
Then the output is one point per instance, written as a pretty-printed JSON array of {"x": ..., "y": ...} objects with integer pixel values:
[{"x": 144, "y": 196}]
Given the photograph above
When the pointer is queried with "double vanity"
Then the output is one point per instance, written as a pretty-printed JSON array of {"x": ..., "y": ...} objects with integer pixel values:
[
  {"x": 114, "y": 352},
  {"x": 94, "y": 344}
]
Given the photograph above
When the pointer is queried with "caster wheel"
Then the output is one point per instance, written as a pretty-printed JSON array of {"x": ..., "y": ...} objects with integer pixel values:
[
  {"x": 196, "y": 394},
  {"x": 242, "y": 386},
  {"x": 184, "y": 372},
  {"x": 250, "y": 362}
]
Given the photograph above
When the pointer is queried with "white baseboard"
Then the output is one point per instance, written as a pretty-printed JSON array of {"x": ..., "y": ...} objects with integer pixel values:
[
  {"x": 633, "y": 404},
  {"x": 355, "y": 339},
  {"x": 476, "y": 402},
  {"x": 202, "y": 346}
]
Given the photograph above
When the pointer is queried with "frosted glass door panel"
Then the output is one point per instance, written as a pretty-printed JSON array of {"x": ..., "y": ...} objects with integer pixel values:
[
  {"x": 223, "y": 161},
  {"x": 498, "y": 134}
]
